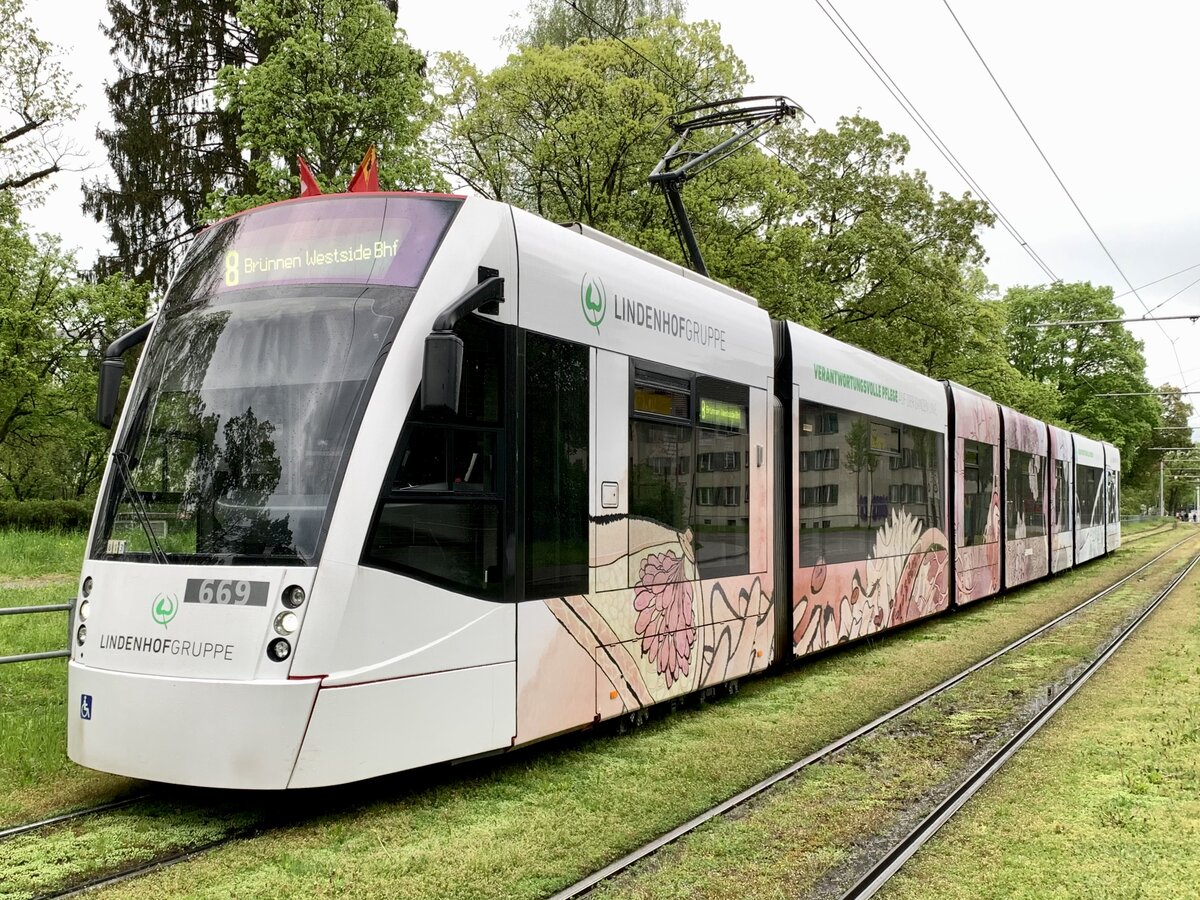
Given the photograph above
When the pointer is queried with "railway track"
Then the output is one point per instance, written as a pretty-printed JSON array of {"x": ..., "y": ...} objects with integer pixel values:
[
  {"x": 1134, "y": 538},
  {"x": 886, "y": 866},
  {"x": 649, "y": 849},
  {"x": 97, "y": 816}
]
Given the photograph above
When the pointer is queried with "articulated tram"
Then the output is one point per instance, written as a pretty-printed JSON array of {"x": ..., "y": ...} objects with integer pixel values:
[{"x": 407, "y": 478}]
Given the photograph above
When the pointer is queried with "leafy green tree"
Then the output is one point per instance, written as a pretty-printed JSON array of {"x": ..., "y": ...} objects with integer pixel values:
[
  {"x": 879, "y": 259},
  {"x": 1083, "y": 362},
  {"x": 170, "y": 145},
  {"x": 572, "y": 133},
  {"x": 827, "y": 229},
  {"x": 52, "y": 330},
  {"x": 334, "y": 77},
  {"x": 554, "y": 23}
]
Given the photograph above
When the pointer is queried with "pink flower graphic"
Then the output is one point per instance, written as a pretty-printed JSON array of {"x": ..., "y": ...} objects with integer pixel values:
[{"x": 665, "y": 620}]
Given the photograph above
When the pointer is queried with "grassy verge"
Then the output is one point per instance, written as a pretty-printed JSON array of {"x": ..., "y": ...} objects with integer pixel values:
[
  {"x": 35, "y": 774},
  {"x": 1104, "y": 801},
  {"x": 526, "y": 825},
  {"x": 809, "y": 836},
  {"x": 29, "y": 554}
]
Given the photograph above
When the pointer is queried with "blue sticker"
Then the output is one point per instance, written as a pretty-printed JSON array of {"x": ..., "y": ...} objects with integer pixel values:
[{"x": 85, "y": 706}]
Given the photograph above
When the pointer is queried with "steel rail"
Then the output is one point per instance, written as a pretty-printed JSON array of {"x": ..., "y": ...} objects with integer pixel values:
[
  {"x": 153, "y": 865},
  {"x": 584, "y": 885},
  {"x": 891, "y": 862},
  {"x": 15, "y": 830}
]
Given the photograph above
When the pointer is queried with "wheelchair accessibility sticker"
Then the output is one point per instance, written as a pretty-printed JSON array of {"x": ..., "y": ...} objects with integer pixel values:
[{"x": 85, "y": 706}]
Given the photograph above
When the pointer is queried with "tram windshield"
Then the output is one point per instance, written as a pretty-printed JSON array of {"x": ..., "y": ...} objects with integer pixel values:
[{"x": 252, "y": 387}]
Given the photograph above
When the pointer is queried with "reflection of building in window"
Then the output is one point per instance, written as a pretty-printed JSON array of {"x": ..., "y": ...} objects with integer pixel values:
[
  {"x": 978, "y": 490},
  {"x": 725, "y": 461},
  {"x": 819, "y": 495},
  {"x": 675, "y": 418},
  {"x": 1088, "y": 481},
  {"x": 1025, "y": 495},
  {"x": 858, "y": 471},
  {"x": 827, "y": 423},
  {"x": 1062, "y": 497},
  {"x": 819, "y": 460}
]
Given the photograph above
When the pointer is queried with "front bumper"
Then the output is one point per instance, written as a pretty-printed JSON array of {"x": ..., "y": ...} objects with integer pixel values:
[{"x": 203, "y": 732}]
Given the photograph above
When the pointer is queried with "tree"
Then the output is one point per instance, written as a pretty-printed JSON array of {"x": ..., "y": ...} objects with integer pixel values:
[
  {"x": 572, "y": 133},
  {"x": 827, "y": 229},
  {"x": 1177, "y": 467},
  {"x": 170, "y": 145},
  {"x": 1083, "y": 362},
  {"x": 335, "y": 76},
  {"x": 880, "y": 260},
  {"x": 35, "y": 103},
  {"x": 52, "y": 331},
  {"x": 554, "y": 23}
]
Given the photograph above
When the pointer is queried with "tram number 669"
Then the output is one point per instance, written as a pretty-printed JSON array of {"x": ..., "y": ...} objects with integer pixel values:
[{"x": 226, "y": 592}]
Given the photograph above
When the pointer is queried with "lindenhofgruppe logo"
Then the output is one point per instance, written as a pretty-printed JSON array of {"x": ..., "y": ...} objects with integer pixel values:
[
  {"x": 163, "y": 608},
  {"x": 592, "y": 300}
]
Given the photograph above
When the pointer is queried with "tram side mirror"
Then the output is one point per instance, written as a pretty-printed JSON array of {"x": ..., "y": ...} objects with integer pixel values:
[
  {"x": 441, "y": 374},
  {"x": 111, "y": 371}
]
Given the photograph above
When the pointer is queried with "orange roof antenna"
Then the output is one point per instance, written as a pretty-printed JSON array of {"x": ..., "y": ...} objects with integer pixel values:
[
  {"x": 367, "y": 176},
  {"x": 308, "y": 184}
]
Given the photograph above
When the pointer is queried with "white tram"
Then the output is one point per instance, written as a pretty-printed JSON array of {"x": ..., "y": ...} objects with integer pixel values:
[{"x": 406, "y": 478}]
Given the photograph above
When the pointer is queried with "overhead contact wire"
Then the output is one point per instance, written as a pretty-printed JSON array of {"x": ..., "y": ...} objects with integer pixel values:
[
  {"x": 877, "y": 69},
  {"x": 1062, "y": 184}
]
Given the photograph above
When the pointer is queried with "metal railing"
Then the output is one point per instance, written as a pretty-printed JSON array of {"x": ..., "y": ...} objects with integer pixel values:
[{"x": 33, "y": 610}]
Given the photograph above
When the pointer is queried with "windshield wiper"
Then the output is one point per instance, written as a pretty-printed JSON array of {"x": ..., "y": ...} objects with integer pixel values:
[{"x": 135, "y": 500}]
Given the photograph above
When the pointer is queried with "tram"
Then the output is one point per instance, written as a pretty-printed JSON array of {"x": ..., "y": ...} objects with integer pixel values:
[{"x": 409, "y": 478}]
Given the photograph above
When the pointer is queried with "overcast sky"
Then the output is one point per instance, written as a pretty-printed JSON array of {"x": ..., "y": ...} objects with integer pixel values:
[{"x": 1107, "y": 90}]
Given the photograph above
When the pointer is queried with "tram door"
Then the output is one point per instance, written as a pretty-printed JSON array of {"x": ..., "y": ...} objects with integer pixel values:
[{"x": 575, "y": 503}]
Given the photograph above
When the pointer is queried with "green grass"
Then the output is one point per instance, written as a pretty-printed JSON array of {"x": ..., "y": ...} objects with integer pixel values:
[
  {"x": 802, "y": 838},
  {"x": 28, "y": 554},
  {"x": 1129, "y": 529},
  {"x": 35, "y": 774},
  {"x": 527, "y": 825},
  {"x": 1103, "y": 802}
]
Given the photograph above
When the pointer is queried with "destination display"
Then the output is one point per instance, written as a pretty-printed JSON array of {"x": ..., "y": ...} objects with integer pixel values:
[{"x": 344, "y": 239}]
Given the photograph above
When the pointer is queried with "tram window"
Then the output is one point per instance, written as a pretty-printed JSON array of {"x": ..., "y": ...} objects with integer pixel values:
[
  {"x": 722, "y": 452},
  {"x": 857, "y": 473},
  {"x": 1025, "y": 500},
  {"x": 1114, "y": 504},
  {"x": 1062, "y": 497},
  {"x": 1089, "y": 500},
  {"x": 657, "y": 489},
  {"x": 441, "y": 514},
  {"x": 689, "y": 449},
  {"x": 556, "y": 468},
  {"x": 978, "y": 490}
]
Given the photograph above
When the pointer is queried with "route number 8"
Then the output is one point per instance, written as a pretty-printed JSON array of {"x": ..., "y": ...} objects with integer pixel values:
[{"x": 231, "y": 268}]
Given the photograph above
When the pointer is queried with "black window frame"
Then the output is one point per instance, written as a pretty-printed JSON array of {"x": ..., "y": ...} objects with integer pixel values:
[
  {"x": 978, "y": 538},
  {"x": 700, "y": 385},
  {"x": 506, "y": 478},
  {"x": 565, "y": 586}
]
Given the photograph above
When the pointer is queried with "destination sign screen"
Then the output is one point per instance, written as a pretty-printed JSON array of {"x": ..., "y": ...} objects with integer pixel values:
[{"x": 342, "y": 239}]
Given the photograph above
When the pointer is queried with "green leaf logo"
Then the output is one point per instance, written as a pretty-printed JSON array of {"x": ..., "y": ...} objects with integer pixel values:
[
  {"x": 163, "y": 608},
  {"x": 592, "y": 300}
]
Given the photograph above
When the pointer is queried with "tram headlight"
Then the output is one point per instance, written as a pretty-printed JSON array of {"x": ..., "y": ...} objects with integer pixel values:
[
  {"x": 85, "y": 607},
  {"x": 293, "y": 596},
  {"x": 279, "y": 650},
  {"x": 81, "y": 634},
  {"x": 286, "y": 623},
  {"x": 87, "y": 586}
]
